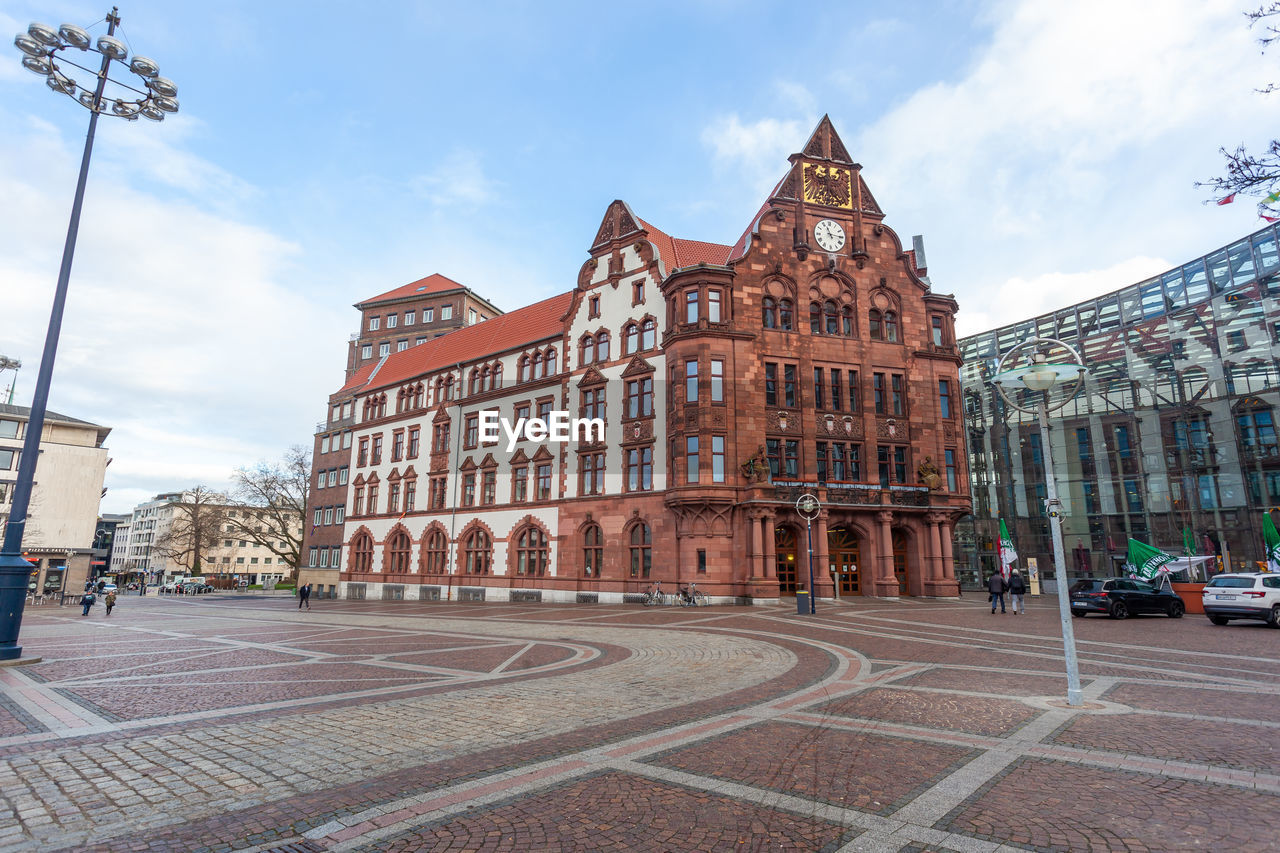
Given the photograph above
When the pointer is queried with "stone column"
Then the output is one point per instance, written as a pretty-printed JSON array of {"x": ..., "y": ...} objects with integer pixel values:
[
  {"x": 757, "y": 545},
  {"x": 885, "y": 584},
  {"x": 934, "y": 559},
  {"x": 767, "y": 531},
  {"x": 948, "y": 557},
  {"x": 821, "y": 555}
]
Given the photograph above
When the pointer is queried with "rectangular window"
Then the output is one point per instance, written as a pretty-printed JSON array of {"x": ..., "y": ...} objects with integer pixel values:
[
  {"x": 357, "y": 502},
  {"x": 376, "y": 456},
  {"x": 471, "y": 437},
  {"x": 773, "y": 449},
  {"x": 366, "y": 351},
  {"x": 384, "y": 349},
  {"x": 324, "y": 558},
  {"x": 311, "y": 553},
  {"x": 320, "y": 480},
  {"x": 374, "y": 323},
  {"x": 8, "y": 428},
  {"x": 440, "y": 438},
  {"x": 339, "y": 514},
  {"x": 328, "y": 515},
  {"x": 713, "y": 306},
  {"x": 544, "y": 410},
  {"x": 409, "y": 317},
  {"x": 639, "y": 469},
  {"x": 819, "y": 384},
  {"x": 640, "y": 398},
  {"x": 950, "y": 457},
  {"x": 542, "y": 489},
  {"x": 717, "y": 380},
  {"x": 346, "y": 440},
  {"x": 446, "y": 312},
  {"x": 489, "y": 488},
  {"x": 897, "y": 386},
  {"x": 791, "y": 458},
  {"x": 317, "y": 517},
  {"x": 437, "y": 494},
  {"x": 372, "y": 506},
  {"x": 691, "y": 459},
  {"x": 717, "y": 458},
  {"x": 393, "y": 497},
  {"x": 591, "y": 480},
  {"x": 413, "y": 442},
  {"x": 770, "y": 384},
  {"x": 468, "y": 489},
  {"x": 855, "y": 395},
  {"x": 428, "y": 315},
  {"x": 892, "y": 461},
  {"x": 519, "y": 484},
  {"x": 789, "y": 385},
  {"x": 836, "y": 404},
  {"x": 333, "y": 476},
  {"x": 419, "y": 341},
  {"x": 937, "y": 331},
  {"x": 391, "y": 320},
  {"x": 691, "y": 306},
  {"x": 593, "y": 405},
  {"x": 324, "y": 444},
  {"x": 397, "y": 445},
  {"x": 402, "y": 345},
  {"x": 471, "y": 316},
  {"x": 877, "y": 392},
  {"x": 637, "y": 293},
  {"x": 362, "y": 455},
  {"x": 944, "y": 397},
  {"x": 691, "y": 381}
]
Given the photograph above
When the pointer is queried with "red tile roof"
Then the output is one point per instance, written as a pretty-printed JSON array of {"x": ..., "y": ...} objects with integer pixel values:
[
  {"x": 677, "y": 252},
  {"x": 434, "y": 283},
  {"x": 535, "y": 322}
]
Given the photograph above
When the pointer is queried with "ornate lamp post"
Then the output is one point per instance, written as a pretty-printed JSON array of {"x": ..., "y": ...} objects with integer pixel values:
[
  {"x": 809, "y": 507},
  {"x": 1039, "y": 375},
  {"x": 141, "y": 92}
]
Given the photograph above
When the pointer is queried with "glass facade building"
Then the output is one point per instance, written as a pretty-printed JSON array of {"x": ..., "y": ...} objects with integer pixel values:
[{"x": 1172, "y": 440}]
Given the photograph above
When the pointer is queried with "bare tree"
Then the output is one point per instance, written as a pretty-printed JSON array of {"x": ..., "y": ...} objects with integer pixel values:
[
  {"x": 1254, "y": 174},
  {"x": 197, "y": 526},
  {"x": 272, "y": 497}
]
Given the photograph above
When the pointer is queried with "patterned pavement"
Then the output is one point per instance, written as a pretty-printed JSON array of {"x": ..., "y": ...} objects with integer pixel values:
[{"x": 219, "y": 723}]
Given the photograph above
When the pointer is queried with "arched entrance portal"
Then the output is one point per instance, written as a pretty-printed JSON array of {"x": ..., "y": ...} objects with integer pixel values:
[
  {"x": 900, "y": 561},
  {"x": 844, "y": 560},
  {"x": 784, "y": 543}
]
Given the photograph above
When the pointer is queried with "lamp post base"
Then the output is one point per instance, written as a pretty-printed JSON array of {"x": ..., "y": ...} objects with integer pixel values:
[{"x": 15, "y": 572}]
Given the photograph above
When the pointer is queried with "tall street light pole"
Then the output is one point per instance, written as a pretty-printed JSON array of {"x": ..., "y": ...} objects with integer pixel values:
[
  {"x": 50, "y": 53},
  {"x": 1040, "y": 376}
]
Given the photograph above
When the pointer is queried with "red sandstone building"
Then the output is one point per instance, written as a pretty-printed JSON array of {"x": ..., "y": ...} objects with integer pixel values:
[{"x": 809, "y": 357}]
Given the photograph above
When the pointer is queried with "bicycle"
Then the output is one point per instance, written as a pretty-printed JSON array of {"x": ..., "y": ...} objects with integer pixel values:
[
  {"x": 691, "y": 597},
  {"x": 654, "y": 596}
]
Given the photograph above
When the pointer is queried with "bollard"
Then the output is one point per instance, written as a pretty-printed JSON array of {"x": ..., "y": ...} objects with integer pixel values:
[{"x": 802, "y": 602}]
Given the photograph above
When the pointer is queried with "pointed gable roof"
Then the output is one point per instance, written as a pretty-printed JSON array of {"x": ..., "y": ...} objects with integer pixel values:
[
  {"x": 431, "y": 285},
  {"x": 824, "y": 144},
  {"x": 536, "y": 322}
]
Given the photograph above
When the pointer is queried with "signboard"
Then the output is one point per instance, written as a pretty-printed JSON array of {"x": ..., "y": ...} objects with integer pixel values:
[{"x": 1033, "y": 575}]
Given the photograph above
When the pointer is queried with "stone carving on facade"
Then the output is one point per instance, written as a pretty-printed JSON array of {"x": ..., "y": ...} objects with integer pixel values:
[
  {"x": 826, "y": 185},
  {"x": 888, "y": 428},
  {"x": 928, "y": 474},
  {"x": 756, "y": 468}
]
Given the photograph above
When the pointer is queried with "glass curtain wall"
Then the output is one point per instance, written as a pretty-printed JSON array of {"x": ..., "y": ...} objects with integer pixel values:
[{"x": 1172, "y": 440}]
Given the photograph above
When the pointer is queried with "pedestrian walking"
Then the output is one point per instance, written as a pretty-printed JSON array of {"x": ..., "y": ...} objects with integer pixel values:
[
  {"x": 110, "y": 601},
  {"x": 87, "y": 600},
  {"x": 1017, "y": 589},
  {"x": 996, "y": 586},
  {"x": 304, "y": 596}
]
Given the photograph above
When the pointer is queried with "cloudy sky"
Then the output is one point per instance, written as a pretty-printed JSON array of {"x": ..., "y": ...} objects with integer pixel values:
[{"x": 326, "y": 152}]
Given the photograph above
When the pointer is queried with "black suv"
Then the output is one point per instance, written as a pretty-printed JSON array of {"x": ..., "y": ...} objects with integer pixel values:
[{"x": 1119, "y": 597}]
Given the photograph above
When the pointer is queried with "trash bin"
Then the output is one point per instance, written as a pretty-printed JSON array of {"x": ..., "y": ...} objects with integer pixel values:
[{"x": 802, "y": 602}]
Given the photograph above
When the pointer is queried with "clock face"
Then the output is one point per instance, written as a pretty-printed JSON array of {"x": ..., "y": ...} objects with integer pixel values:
[{"x": 829, "y": 234}]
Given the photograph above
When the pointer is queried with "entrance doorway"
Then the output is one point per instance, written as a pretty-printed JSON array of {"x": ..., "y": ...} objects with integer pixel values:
[
  {"x": 845, "y": 562},
  {"x": 900, "y": 561},
  {"x": 784, "y": 543}
]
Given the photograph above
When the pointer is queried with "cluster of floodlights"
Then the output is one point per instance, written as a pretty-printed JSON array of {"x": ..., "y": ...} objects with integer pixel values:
[{"x": 44, "y": 48}]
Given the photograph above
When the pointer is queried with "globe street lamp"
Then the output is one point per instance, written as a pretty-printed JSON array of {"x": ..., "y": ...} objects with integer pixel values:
[
  {"x": 141, "y": 92},
  {"x": 809, "y": 507},
  {"x": 1039, "y": 376}
]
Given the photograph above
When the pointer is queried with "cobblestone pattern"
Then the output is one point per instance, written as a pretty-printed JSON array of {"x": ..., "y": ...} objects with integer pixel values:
[
  {"x": 615, "y": 811},
  {"x": 994, "y": 682},
  {"x": 932, "y": 709},
  {"x": 1178, "y": 739},
  {"x": 838, "y": 767},
  {"x": 1238, "y": 704},
  {"x": 1048, "y": 805}
]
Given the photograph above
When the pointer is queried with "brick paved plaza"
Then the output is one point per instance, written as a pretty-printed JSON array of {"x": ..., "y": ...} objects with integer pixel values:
[{"x": 239, "y": 723}]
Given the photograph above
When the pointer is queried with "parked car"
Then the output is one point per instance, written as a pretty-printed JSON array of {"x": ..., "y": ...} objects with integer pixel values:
[
  {"x": 190, "y": 588},
  {"x": 1243, "y": 595},
  {"x": 1120, "y": 597}
]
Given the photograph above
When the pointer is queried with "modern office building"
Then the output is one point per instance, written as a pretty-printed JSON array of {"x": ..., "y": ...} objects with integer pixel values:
[
  {"x": 63, "y": 512},
  {"x": 1173, "y": 439},
  {"x": 811, "y": 355}
]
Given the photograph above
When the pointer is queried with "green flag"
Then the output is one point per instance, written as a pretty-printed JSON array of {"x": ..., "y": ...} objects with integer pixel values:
[
  {"x": 1188, "y": 543},
  {"x": 1145, "y": 561},
  {"x": 1008, "y": 554},
  {"x": 1272, "y": 540}
]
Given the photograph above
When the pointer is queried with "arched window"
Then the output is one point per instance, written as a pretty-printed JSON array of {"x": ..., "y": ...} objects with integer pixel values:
[
  {"x": 551, "y": 362},
  {"x": 877, "y": 329},
  {"x": 641, "y": 551},
  {"x": 786, "y": 315},
  {"x": 592, "y": 551},
  {"x": 815, "y": 318},
  {"x": 448, "y": 387},
  {"x": 831, "y": 318},
  {"x": 770, "y": 311},
  {"x": 433, "y": 553},
  {"x": 602, "y": 346},
  {"x": 531, "y": 551},
  {"x": 588, "y": 353},
  {"x": 631, "y": 338},
  {"x": 890, "y": 326},
  {"x": 473, "y": 385},
  {"x": 648, "y": 334},
  {"x": 846, "y": 321},
  {"x": 382, "y": 405},
  {"x": 418, "y": 394},
  {"x": 537, "y": 365},
  {"x": 477, "y": 553},
  {"x": 486, "y": 378},
  {"x": 497, "y": 375},
  {"x": 398, "y": 552},
  {"x": 362, "y": 552},
  {"x": 524, "y": 368}
]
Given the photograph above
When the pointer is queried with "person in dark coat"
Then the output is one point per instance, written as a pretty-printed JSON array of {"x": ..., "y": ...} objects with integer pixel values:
[
  {"x": 304, "y": 596},
  {"x": 1017, "y": 589},
  {"x": 996, "y": 586}
]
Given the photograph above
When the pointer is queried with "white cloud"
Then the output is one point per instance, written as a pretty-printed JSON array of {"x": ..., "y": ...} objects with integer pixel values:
[
  {"x": 459, "y": 179},
  {"x": 754, "y": 150}
]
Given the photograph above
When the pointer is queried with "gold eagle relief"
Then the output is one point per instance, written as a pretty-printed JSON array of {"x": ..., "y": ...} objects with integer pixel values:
[{"x": 828, "y": 185}]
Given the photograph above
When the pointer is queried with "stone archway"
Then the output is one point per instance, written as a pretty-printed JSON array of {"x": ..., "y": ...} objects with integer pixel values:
[
  {"x": 902, "y": 567},
  {"x": 844, "y": 560}
]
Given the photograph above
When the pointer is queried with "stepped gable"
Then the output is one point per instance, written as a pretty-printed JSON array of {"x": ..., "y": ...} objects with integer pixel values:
[
  {"x": 536, "y": 322},
  {"x": 434, "y": 283}
]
